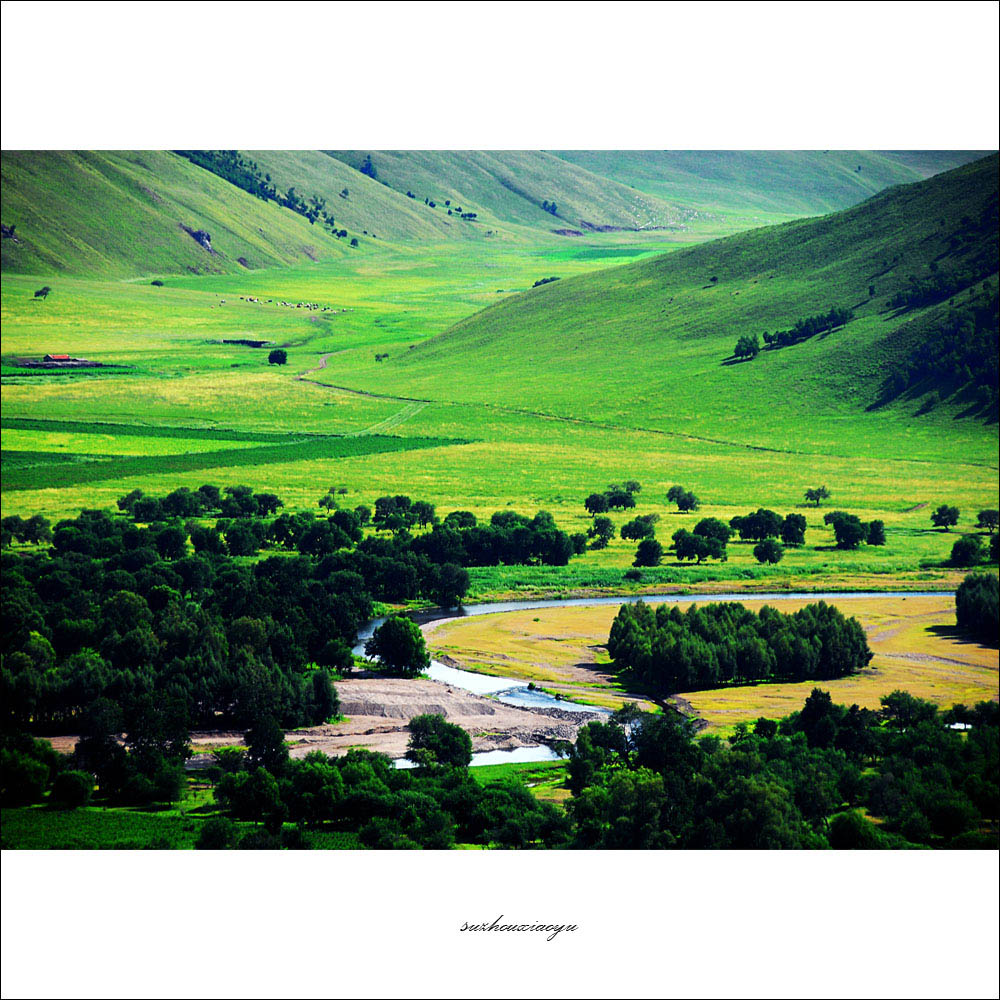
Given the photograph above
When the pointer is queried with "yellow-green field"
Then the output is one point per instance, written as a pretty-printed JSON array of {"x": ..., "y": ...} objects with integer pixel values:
[{"x": 562, "y": 650}]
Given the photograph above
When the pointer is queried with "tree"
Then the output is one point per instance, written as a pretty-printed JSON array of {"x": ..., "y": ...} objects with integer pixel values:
[
  {"x": 768, "y": 551},
  {"x": 847, "y": 529},
  {"x": 945, "y": 517},
  {"x": 977, "y": 607},
  {"x": 687, "y": 501},
  {"x": 747, "y": 347},
  {"x": 43, "y": 292},
  {"x": 817, "y": 494},
  {"x": 876, "y": 532},
  {"x": 987, "y": 520},
  {"x": 648, "y": 553},
  {"x": 967, "y": 551},
  {"x": 601, "y": 531},
  {"x": 398, "y": 645},
  {"x": 435, "y": 741},
  {"x": 793, "y": 530},
  {"x": 596, "y": 503},
  {"x": 277, "y": 357}
]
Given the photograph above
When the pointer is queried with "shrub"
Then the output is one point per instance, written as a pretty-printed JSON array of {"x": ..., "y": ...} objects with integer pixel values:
[{"x": 72, "y": 789}]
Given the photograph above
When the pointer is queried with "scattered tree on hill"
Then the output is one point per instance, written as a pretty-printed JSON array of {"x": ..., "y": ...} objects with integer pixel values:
[
  {"x": 640, "y": 527},
  {"x": 817, "y": 494},
  {"x": 876, "y": 533},
  {"x": 368, "y": 168},
  {"x": 758, "y": 525},
  {"x": 43, "y": 292},
  {"x": 768, "y": 551},
  {"x": 945, "y": 517},
  {"x": 712, "y": 527},
  {"x": 848, "y": 529},
  {"x": 596, "y": 503},
  {"x": 987, "y": 520},
  {"x": 747, "y": 347},
  {"x": 277, "y": 357},
  {"x": 648, "y": 553},
  {"x": 793, "y": 530},
  {"x": 688, "y": 545},
  {"x": 398, "y": 645},
  {"x": 685, "y": 499},
  {"x": 601, "y": 531}
]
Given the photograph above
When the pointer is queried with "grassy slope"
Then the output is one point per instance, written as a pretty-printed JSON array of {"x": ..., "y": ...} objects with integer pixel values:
[
  {"x": 928, "y": 162},
  {"x": 369, "y": 205},
  {"x": 645, "y": 344},
  {"x": 509, "y": 187},
  {"x": 747, "y": 182},
  {"x": 119, "y": 214}
]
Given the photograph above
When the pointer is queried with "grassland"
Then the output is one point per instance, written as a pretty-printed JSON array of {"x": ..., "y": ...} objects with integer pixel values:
[
  {"x": 562, "y": 650},
  {"x": 546, "y": 779},
  {"x": 616, "y": 371}
]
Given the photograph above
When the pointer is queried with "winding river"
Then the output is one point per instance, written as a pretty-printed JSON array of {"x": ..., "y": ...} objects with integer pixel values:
[{"x": 512, "y": 691}]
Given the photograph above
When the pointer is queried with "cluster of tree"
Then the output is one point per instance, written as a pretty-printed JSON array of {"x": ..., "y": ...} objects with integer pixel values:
[
  {"x": 510, "y": 539},
  {"x": 550, "y": 207},
  {"x": 977, "y": 607},
  {"x": 368, "y": 168},
  {"x": 277, "y": 357},
  {"x": 431, "y": 806},
  {"x": 34, "y": 530},
  {"x": 809, "y": 326},
  {"x": 850, "y": 531},
  {"x": 110, "y": 618},
  {"x": 762, "y": 524},
  {"x": 666, "y": 650},
  {"x": 642, "y": 781},
  {"x": 960, "y": 349},
  {"x": 544, "y": 281},
  {"x": 747, "y": 347},
  {"x": 937, "y": 286},
  {"x": 707, "y": 541},
  {"x": 230, "y": 502},
  {"x": 232, "y": 166},
  {"x": 615, "y": 497},
  {"x": 642, "y": 526},
  {"x": 685, "y": 499}
]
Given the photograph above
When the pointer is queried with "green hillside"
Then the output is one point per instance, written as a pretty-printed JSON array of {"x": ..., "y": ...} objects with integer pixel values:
[
  {"x": 122, "y": 214},
  {"x": 651, "y": 343},
  {"x": 746, "y": 182},
  {"x": 513, "y": 187},
  {"x": 357, "y": 202},
  {"x": 928, "y": 162}
]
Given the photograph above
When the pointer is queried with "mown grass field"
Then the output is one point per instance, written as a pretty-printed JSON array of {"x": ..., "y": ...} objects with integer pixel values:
[{"x": 563, "y": 650}]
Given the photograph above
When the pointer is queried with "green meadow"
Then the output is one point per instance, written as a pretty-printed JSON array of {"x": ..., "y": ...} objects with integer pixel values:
[{"x": 489, "y": 393}]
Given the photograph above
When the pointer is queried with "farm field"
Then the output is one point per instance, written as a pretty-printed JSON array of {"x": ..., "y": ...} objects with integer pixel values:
[{"x": 562, "y": 650}]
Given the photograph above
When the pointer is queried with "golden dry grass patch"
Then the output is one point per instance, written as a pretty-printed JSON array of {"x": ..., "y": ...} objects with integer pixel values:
[{"x": 912, "y": 638}]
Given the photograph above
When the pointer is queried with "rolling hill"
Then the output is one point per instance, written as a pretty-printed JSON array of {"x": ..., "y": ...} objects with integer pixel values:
[
  {"x": 651, "y": 343},
  {"x": 772, "y": 182},
  {"x": 121, "y": 214},
  {"x": 129, "y": 214}
]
